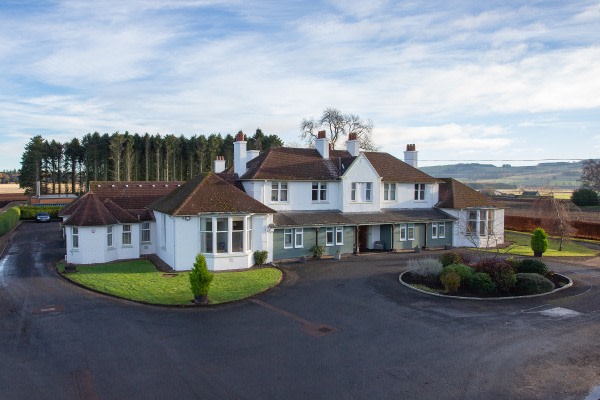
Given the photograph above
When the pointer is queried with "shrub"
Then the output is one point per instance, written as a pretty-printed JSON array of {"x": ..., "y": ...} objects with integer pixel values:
[
  {"x": 464, "y": 271},
  {"x": 29, "y": 212},
  {"x": 428, "y": 269},
  {"x": 200, "y": 277},
  {"x": 539, "y": 241},
  {"x": 529, "y": 283},
  {"x": 501, "y": 272},
  {"x": 451, "y": 280},
  {"x": 451, "y": 257},
  {"x": 585, "y": 197},
  {"x": 317, "y": 250},
  {"x": 482, "y": 284},
  {"x": 532, "y": 265},
  {"x": 9, "y": 219},
  {"x": 260, "y": 256}
]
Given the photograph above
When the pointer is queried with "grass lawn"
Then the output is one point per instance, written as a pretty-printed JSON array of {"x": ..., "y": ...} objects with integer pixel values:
[
  {"x": 522, "y": 247},
  {"x": 140, "y": 281}
]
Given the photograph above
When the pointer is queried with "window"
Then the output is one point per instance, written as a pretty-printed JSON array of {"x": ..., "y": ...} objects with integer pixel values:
[
  {"x": 75, "y": 237},
  {"x": 237, "y": 235},
  {"x": 490, "y": 222},
  {"x": 222, "y": 235},
  {"x": 482, "y": 222},
  {"x": 442, "y": 230},
  {"x": 287, "y": 238},
  {"x": 109, "y": 236},
  {"x": 145, "y": 231},
  {"x": 339, "y": 236},
  {"x": 403, "y": 232},
  {"x": 279, "y": 191},
  {"x": 410, "y": 228},
  {"x": 126, "y": 236},
  {"x": 319, "y": 191},
  {"x": 389, "y": 191},
  {"x": 299, "y": 238},
  {"x": 419, "y": 191},
  {"x": 472, "y": 223},
  {"x": 434, "y": 230},
  {"x": 249, "y": 232},
  {"x": 206, "y": 235},
  {"x": 361, "y": 192},
  {"x": 329, "y": 236}
]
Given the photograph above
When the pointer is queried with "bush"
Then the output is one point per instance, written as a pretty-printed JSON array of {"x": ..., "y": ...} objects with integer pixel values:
[
  {"x": 9, "y": 219},
  {"x": 317, "y": 250},
  {"x": 501, "y": 272},
  {"x": 530, "y": 283},
  {"x": 451, "y": 257},
  {"x": 585, "y": 197},
  {"x": 200, "y": 277},
  {"x": 260, "y": 257},
  {"x": 482, "y": 284},
  {"x": 532, "y": 265},
  {"x": 539, "y": 241},
  {"x": 428, "y": 269},
  {"x": 29, "y": 212},
  {"x": 464, "y": 271},
  {"x": 451, "y": 280}
]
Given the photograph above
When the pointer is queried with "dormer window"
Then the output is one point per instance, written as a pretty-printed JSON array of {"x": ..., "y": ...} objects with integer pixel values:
[
  {"x": 279, "y": 191},
  {"x": 419, "y": 191},
  {"x": 319, "y": 191}
]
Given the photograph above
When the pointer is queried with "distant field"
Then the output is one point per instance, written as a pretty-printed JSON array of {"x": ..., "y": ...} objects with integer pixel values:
[
  {"x": 10, "y": 188},
  {"x": 558, "y": 194}
]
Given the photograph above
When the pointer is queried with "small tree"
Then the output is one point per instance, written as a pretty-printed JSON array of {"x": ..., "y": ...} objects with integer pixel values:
[
  {"x": 585, "y": 197},
  {"x": 200, "y": 279},
  {"x": 260, "y": 257},
  {"x": 539, "y": 242},
  {"x": 554, "y": 217}
]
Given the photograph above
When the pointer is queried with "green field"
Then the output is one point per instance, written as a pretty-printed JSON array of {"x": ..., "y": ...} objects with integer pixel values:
[
  {"x": 522, "y": 247},
  {"x": 140, "y": 281}
]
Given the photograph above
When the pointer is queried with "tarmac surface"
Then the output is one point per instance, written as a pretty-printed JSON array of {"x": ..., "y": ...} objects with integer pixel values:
[{"x": 332, "y": 330}]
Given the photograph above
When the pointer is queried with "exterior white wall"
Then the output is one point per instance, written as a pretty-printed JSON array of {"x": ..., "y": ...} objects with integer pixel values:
[
  {"x": 165, "y": 243},
  {"x": 93, "y": 247},
  {"x": 405, "y": 196},
  {"x": 300, "y": 196},
  {"x": 459, "y": 229},
  {"x": 148, "y": 247},
  {"x": 361, "y": 170},
  {"x": 126, "y": 251},
  {"x": 186, "y": 240}
]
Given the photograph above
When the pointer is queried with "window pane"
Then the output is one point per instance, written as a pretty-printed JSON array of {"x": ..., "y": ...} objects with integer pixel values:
[
  {"x": 393, "y": 191},
  {"x": 206, "y": 242},
  {"x": 315, "y": 191},
  {"x": 299, "y": 238},
  {"x": 222, "y": 244},
  {"x": 442, "y": 230},
  {"x": 323, "y": 191},
  {"x": 207, "y": 226},
  {"x": 222, "y": 224},
  {"x": 339, "y": 235},
  {"x": 238, "y": 225},
  {"x": 329, "y": 236},
  {"x": 237, "y": 241},
  {"x": 287, "y": 238}
]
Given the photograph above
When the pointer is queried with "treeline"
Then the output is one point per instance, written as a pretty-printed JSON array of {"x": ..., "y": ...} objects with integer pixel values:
[{"x": 69, "y": 167}]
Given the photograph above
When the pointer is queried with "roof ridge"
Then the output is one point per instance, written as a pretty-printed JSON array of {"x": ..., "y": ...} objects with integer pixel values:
[{"x": 200, "y": 184}]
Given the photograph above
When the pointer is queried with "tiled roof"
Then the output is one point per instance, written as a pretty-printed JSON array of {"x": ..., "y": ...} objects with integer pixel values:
[
  {"x": 71, "y": 207},
  {"x": 91, "y": 212},
  {"x": 134, "y": 194},
  {"x": 336, "y": 217},
  {"x": 295, "y": 164},
  {"x": 208, "y": 193},
  {"x": 454, "y": 194},
  {"x": 391, "y": 169},
  {"x": 121, "y": 215}
]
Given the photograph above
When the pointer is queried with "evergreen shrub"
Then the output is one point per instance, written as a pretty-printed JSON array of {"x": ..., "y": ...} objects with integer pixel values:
[
  {"x": 532, "y": 265},
  {"x": 200, "y": 277},
  {"x": 531, "y": 283},
  {"x": 501, "y": 272},
  {"x": 482, "y": 284}
]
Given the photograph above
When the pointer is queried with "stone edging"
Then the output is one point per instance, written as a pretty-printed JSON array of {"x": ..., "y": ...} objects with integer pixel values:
[{"x": 568, "y": 285}]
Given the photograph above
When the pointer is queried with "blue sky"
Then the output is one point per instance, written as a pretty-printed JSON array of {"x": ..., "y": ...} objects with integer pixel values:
[{"x": 463, "y": 80}]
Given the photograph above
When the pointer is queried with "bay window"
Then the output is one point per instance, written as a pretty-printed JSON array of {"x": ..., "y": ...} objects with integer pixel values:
[
  {"x": 480, "y": 222},
  {"x": 221, "y": 235}
]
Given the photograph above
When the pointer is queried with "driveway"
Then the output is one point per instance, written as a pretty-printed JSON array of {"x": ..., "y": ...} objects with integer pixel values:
[{"x": 332, "y": 330}]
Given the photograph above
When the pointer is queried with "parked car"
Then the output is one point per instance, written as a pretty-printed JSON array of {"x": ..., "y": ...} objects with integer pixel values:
[{"x": 42, "y": 217}]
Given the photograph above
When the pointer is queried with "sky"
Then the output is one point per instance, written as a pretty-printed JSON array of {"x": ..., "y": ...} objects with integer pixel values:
[{"x": 466, "y": 81}]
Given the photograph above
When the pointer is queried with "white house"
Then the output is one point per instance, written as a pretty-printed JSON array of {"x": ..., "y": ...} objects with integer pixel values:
[{"x": 285, "y": 201}]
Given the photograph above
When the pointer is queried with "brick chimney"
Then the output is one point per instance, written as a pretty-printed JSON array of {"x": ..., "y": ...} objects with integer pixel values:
[
  {"x": 219, "y": 164},
  {"x": 322, "y": 144},
  {"x": 239, "y": 154},
  {"x": 353, "y": 145},
  {"x": 411, "y": 155}
]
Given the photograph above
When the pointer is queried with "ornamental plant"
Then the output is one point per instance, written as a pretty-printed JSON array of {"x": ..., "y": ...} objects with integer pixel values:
[
  {"x": 260, "y": 256},
  {"x": 583, "y": 197},
  {"x": 451, "y": 280},
  {"x": 200, "y": 278},
  {"x": 501, "y": 272},
  {"x": 317, "y": 250},
  {"x": 539, "y": 242}
]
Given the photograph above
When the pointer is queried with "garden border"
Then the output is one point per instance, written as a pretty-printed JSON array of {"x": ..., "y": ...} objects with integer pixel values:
[{"x": 568, "y": 285}]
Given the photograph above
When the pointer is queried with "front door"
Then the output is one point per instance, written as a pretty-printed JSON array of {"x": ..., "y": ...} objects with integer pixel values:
[{"x": 363, "y": 237}]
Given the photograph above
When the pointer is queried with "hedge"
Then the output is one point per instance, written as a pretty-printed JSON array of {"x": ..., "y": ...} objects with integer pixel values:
[
  {"x": 28, "y": 212},
  {"x": 9, "y": 219},
  {"x": 585, "y": 230}
]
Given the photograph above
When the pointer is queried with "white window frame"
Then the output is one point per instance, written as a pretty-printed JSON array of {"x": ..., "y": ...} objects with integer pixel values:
[
  {"x": 419, "y": 192},
  {"x": 75, "y": 237},
  {"x": 434, "y": 230},
  {"x": 278, "y": 190},
  {"x": 146, "y": 232},
  {"x": 389, "y": 192},
  {"x": 126, "y": 235},
  {"x": 299, "y": 234},
  {"x": 339, "y": 236},
  {"x": 410, "y": 232},
  {"x": 361, "y": 192},
  {"x": 109, "y": 237},
  {"x": 472, "y": 222},
  {"x": 402, "y": 232},
  {"x": 290, "y": 234},
  {"x": 490, "y": 222},
  {"x": 240, "y": 232},
  {"x": 320, "y": 190},
  {"x": 206, "y": 233},
  {"x": 353, "y": 191},
  {"x": 329, "y": 231},
  {"x": 441, "y": 230},
  {"x": 368, "y": 192}
]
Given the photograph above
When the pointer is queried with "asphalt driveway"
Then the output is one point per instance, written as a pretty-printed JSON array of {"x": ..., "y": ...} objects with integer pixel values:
[{"x": 332, "y": 330}]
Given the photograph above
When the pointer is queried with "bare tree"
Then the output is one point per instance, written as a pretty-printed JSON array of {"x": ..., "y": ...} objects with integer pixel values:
[
  {"x": 338, "y": 125},
  {"x": 554, "y": 218},
  {"x": 590, "y": 174}
]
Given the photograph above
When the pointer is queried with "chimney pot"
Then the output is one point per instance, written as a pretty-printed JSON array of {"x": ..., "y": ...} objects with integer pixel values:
[
  {"x": 321, "y": 134},
  {"x": 239, "y": 137}
]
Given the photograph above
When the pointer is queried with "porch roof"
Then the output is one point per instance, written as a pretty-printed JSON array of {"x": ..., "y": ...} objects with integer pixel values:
[{"x": 336, "y": 217}]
